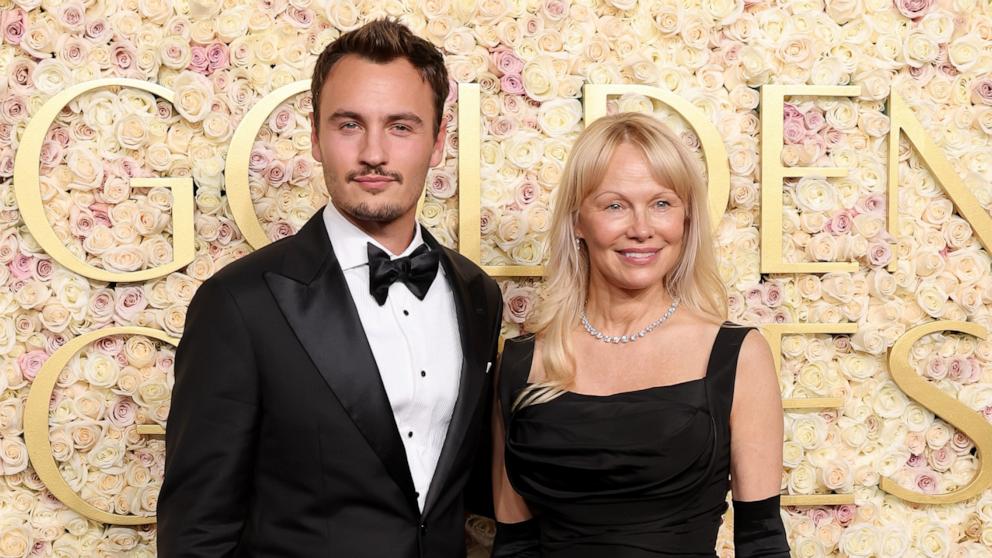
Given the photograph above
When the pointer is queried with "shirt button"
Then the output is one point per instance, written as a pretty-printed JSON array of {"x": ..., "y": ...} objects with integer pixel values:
[
  {"x": 423, "y": 373},
  {"x": 423, "y": 528},
  {"x": 406, "y": 313},
  {"x": 409, "y": 434}
]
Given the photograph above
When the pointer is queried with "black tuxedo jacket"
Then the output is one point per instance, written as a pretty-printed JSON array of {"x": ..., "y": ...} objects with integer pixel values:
[{"x": 281, "y": 440}]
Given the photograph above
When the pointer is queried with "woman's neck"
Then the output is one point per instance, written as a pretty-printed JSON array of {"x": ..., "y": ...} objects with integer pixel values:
[{"x": 617, "y": 311}]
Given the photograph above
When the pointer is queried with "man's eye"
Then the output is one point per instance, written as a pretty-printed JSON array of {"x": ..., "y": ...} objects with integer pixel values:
[
  {"x": 402, "y": 128},
  {"x": 349, "y": 126}
]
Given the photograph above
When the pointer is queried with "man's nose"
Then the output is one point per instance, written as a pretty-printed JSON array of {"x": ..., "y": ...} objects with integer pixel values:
[{"x": 373, "y": 152}]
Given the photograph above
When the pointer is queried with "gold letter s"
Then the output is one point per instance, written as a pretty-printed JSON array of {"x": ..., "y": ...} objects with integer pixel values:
[{"x": 944, "y": 406}]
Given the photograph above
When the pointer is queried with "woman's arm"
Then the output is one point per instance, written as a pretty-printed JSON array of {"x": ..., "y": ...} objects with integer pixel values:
[
  {"x": 756, "y": 453},
  {"x": 516, "y": 531}
]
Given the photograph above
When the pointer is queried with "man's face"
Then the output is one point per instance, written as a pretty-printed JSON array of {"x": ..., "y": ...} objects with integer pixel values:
[{"x": 376, "y": 138}]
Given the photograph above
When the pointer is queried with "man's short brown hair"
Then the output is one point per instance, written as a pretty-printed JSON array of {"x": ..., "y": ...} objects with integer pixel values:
[{"x": 382, "y": 41}]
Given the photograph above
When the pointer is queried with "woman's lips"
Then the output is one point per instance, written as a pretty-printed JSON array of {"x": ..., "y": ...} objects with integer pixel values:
[{"x": 639, "y": 256}]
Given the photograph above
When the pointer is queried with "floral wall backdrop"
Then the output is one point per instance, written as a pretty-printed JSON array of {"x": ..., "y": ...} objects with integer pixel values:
[{"x": 531, "y": 59}]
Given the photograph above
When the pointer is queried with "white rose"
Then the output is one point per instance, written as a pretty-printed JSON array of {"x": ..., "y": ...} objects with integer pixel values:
[{"x": 193, "y": 95}]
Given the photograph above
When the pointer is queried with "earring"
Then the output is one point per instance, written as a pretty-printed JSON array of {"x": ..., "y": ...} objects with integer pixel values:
[{"x": 578, "y": 243}]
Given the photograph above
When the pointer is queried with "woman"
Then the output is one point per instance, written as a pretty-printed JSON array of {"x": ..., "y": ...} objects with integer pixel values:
[{"x": 620, "y": 420}]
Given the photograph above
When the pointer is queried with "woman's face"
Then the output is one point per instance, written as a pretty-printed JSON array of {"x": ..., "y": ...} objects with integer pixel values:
[{"x": 632, "y": 225}]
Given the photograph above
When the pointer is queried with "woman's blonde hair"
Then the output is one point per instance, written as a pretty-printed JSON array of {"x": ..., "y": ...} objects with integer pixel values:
[{"x": 694, "y": 280}]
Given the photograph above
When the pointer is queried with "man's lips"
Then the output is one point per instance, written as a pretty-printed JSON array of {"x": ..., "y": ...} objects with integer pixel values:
[{"x": 373, "y": 179}]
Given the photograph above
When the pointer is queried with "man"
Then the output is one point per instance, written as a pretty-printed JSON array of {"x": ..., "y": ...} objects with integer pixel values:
[{"x": 331, "y": 388}]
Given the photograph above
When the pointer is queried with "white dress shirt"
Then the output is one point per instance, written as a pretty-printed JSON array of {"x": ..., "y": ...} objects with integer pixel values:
[{"x": 415, "y": 343}]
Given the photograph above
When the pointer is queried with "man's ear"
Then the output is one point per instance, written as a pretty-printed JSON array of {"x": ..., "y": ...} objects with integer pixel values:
[
  {"x": 314, "y": 141},
  {"x": 437, "y": 155}
]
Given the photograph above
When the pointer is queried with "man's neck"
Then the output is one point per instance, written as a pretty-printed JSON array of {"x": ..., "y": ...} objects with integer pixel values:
[{"x": 395, "y": 235}]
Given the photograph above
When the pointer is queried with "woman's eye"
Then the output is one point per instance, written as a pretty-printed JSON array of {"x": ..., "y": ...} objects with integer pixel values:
[
  {"x": 614, "y": 206},
  {"x": 662, "y": 203}
]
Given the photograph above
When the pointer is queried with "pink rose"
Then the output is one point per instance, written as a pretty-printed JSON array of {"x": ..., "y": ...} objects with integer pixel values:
[
  {"x": 440, "y": 185},
  {"x": 771, "y": 294},
  {"x": 936, "y": 368},
  {"x": 300, "y": 170},
  {"x": 281, "y": 119},
  {"x": 165, "y": 360},
  {"x": 13, "y": 109},
  {"x": 275, "y": 174},
  {"x": 13, "y": 25},
  {"x": 831, "y": 136},
  {"x": 110, "y": 345},
  {"x": 43, "y": 269},
  {"x": 981, "y": 90},
  {"x": 97, "y": 30},
  {"x": 130, "y": 302},
  {"x": 20, "y": 267},
  {"x": 511, "y": 84},
  {"x": 845, "y": 514},
  {"x": 814, "y": 120},
  {"x": 526, "y": 193},
  {"x": 790, "y": 112},
  {"x": 301, "y": 18},
  {"x": 122, "y": 412},
  {"x": 101, "y": 213},
  {"x": 820, "y": 515},
  {"x": 30, "y": 363},
  {"x": 260, "y": 158},
  {"x": 71, "y": 15},
  {"x": 54, "y": 342},
  {"x": 226, "y": 232},
  {"x": 753, "y": 296},
  {"x": 51, "y": 153},
  {"x": 122, "y": 55},
  {"x": 873, "y": 204},
  {"x": 81, "y": 222},
  {"x": 19, "y": 76},
  {"x": 839, "y": 224},
  {"x": 913, "y": 8},
  {"x": 915, "y": 460},
  {"x": 794, "y": 130},
  {"x": 506, "y": 62},
  {"x": 218, "y": 56},
  {"x": 555, "y": 10},
  {"x": 927, "y": 482},
  {"x": 198, "y": 62},
  {"x": 518, "y": 303},
  {"x": 279, "y": 229}
]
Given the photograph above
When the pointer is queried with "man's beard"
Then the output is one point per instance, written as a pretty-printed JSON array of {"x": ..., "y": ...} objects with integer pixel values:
[
  {"x": 363, "y": 211},
  {"x": 382, "y": 214}
]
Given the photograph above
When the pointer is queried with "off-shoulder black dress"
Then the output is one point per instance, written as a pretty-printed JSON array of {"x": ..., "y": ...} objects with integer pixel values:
[{"x": 635, "y": 474}]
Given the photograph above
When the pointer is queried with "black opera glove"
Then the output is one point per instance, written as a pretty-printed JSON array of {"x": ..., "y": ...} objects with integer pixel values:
[
  {"x": 517, "y": 540},
  {"x": 758, "y": 529}
]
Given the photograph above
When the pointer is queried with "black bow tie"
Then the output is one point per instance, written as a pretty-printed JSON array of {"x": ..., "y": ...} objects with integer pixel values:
[{"x": 416, "y": 271}]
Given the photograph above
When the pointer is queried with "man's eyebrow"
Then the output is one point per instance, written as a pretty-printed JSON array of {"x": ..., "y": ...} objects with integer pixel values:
[
  {"x": 345, "y": 114},
  {"x": 409, "y": 116}
]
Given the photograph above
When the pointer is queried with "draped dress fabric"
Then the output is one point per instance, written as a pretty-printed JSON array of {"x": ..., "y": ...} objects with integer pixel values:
[{"x": 633, "y": 474}]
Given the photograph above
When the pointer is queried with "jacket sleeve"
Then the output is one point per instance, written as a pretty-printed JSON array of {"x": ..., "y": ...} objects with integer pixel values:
[
  {"x": 211, "y": 431},
  {"x": 478, "y": 493}
]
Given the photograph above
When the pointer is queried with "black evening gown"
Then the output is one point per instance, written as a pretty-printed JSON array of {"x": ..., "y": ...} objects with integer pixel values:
[{"x": 630, "y": 475}]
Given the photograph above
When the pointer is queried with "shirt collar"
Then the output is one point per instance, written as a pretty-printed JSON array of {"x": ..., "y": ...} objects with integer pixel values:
[{"x": 350, "y": 242}]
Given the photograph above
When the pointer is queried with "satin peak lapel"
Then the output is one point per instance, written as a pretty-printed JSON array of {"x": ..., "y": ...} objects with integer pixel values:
[{"x": 473, "y": 333}]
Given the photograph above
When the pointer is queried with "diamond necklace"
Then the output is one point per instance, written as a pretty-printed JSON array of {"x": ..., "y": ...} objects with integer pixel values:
[{"x": 631, "y": 337}]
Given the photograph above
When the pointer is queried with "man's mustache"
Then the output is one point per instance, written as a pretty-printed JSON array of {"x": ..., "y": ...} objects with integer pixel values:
[{"x": 374, "y": 171}]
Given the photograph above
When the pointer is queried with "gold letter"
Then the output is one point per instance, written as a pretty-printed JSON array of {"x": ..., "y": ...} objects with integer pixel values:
[
  {"x": 773, "y": 334},
  {"x": 36, "y": 425},
  {"x": 772, "y": 173},
  {"x": 236, "y": 169},
  {"x": 29, "y": 202},
  {"x": 944, "y": 406},
  {"x": 901, "y": 118}
]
